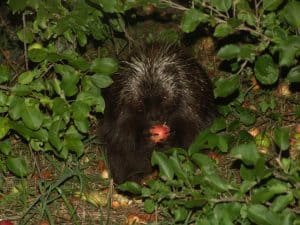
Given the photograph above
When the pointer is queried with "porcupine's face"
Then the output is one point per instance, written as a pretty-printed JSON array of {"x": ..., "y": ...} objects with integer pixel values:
[{"x": 151, "y": 90}]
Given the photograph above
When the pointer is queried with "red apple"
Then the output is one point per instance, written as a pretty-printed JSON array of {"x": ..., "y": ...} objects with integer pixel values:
[{"x": 159, "y": 133}]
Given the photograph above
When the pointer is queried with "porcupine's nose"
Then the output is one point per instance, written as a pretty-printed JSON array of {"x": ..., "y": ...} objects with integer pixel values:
[{"x": 154, "y": 109}]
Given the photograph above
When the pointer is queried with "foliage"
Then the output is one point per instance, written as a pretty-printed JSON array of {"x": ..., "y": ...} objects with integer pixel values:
[
  {"x": 53, "y": 102},
  {"x": 55, "y": 98},
  {"x": 189, "y": 187}
]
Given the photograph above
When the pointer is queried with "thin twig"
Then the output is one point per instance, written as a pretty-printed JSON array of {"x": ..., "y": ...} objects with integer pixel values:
[
  {"x": 206, "y": 5},
  {"x": 174, "y": 5},
  {"x": 25, "y": 45},
  {"x": 242, "y": 67},
  {"x": 5, "y": 88},
  {"x": 222, "y": 200},
  {"x": 248, "y": 29}
]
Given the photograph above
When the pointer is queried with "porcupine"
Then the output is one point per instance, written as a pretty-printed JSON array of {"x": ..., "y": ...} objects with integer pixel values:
[{"x": 158, "y": 84}]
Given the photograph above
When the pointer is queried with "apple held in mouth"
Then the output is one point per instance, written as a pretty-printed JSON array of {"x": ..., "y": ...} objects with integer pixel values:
[{"x": 159, "y": 133}]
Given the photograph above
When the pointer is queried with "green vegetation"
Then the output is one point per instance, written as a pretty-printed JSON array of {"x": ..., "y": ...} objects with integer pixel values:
[{"x": 52, "y": 98}]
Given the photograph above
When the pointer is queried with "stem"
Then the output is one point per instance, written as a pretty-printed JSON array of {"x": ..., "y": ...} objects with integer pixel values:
[
  {"x": 25, "y": 45},
  {"x": 174, "y": 5}
]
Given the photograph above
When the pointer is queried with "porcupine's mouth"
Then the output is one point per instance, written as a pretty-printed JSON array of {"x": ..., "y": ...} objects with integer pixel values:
[{"x": 159, "y": 133}]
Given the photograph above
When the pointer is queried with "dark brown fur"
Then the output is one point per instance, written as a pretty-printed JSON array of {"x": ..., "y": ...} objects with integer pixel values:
[{"x": 158, "y": 84}]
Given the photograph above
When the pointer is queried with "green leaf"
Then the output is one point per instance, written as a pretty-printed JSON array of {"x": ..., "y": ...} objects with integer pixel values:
[
  {"x": 131, "y": 187},
  {"x": 17, "y": 166},
  {"x": 282, "y": 202},
  {"x": 216, "y": 183},
  {"x": 265, "y": 70},
  {"x": 222, "y": 143},
  {"x": 225, "y": 87},
  {"x": 70, "y": 78},
  {"x": 37, "y": 55},
  {"x": 288, "y": 50},
  {"x": 92, "y": 99},
  {"x": 246, "y": 186},
  {"x": 54, "y": 130},
  {"x": 271, "y": 5},
  {"x": 247, "y": 174},
  {"x": 36, "y": 145},
  {"x": 149, "y": 206},
  {"x": 80, "y": 110},
  {"x": 247, "y": 52},
  {"x": 223, "y": 30},
  {"x": 39, "y": 85},
  {"x": 60, "y": 106},
  {"x": 204, "y": 162},
  {"x": 25, "y": 35},
  {"x": 180, "y": 214},
  {"x": 4, "y": 127},
  {"x": 222, "y": 5},
  {"x": 247, "y": 117},
  {"x": 82, "y": 125},
  {"x": 177, "y": 167},
  {"x": 101, "y": 81},
  {"x": 81, "y": 38},
  {"x": 110, "y": 6},
  {"x": 199, "y": 142},
  {"x": 230, "y": 211},
  {"x": 27, "y": 133},
  {"x": 16, "y": 5},
  {"x": 100, "y": 106},
  {"x": 218, "y": 125},
  {"x": 261, "y": 195},
  {"x": 195, "y": 203},
  {"x": 165, "y": 166},
  {"x": 32, "y": 116},
  {"x": 3, "y": 99},
  {"x": 5, "y": 147},
  {"x": 72, "y": 141},
  {"x": 191, "y": 19},
  {"x": 277, "y": 186},
  {"x": 291, "y": 13},
  {"x": 247, "y": 17},
  {"x": 4, "y": 74},
  {"x": 259, "y": 214},
  {"x": 288, "y": 218},
  {"x": 229, "y": 52},
  {"x": 281, "y": 138},
  {"x": 261, "y": 171},
  {"x": 246, "y": 152},
  {"x": 21, "y": 90},
  {"x": 15, "y": 107},
  {"x": 28, "y": 76},
  {"x": 104, "y": 66},
  {"x": 76, "y": 61},
  {"x": 56, "y": 86},
  {"x": 294, "y": 74}
]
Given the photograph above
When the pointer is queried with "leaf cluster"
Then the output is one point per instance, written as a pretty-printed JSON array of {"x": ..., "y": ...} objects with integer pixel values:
[
  {"x": 190, "y": 188},
  {"x": 55, "y": 100}
]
